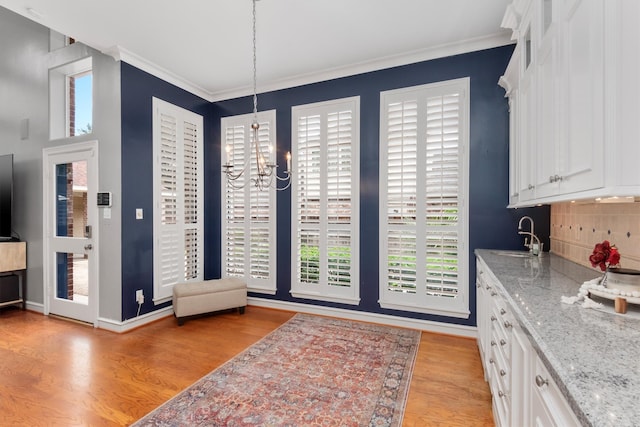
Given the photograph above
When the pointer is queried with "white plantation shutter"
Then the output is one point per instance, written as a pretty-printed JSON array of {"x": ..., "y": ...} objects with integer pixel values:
[
  {"x": 325, "y": 205},
  {"x": 178, "y": 192},
  {"x": 169, "y": 264},
  {"x": 248, "y": 226},
  {"x": 192, "y": 201},
  {"x": 423, "y": 188},
  {"x": 442, "y": 194}
]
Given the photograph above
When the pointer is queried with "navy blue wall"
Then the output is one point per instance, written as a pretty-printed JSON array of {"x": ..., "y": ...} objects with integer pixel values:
[
  {"x": 137, "y": 90},
  {"x": 492, "y": 225}
]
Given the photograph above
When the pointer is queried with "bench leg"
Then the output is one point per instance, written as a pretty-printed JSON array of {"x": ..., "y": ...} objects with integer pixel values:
[
  {"x": 241, "y": 310},
  {"x": 180, "y": 321}
]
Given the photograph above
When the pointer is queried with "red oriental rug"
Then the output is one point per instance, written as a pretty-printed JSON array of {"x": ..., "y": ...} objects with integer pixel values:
[{"x": 310, "y": 371}]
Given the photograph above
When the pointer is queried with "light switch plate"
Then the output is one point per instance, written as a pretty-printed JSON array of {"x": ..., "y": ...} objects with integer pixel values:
[{"x": 139, "y": 214}]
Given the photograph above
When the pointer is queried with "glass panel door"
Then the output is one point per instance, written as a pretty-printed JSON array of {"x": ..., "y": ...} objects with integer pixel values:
[
  {"x": 70, "y": 186},
  {"x": 71, "y": 221}
]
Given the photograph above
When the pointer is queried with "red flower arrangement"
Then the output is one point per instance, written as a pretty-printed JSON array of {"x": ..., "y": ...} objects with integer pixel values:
[{"x": 605, "y": 255}]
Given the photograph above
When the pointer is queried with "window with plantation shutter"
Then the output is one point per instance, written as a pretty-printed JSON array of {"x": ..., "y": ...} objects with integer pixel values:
[
  {"x": 178, "y": 194},
  {"x": 423, "y": 191},
  {"x": 325, "y": 201},
  {"x": 249, "y": 214}
]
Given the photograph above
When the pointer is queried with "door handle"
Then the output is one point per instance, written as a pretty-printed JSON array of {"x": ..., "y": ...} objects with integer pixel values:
[{"x": 88, "y": 247}]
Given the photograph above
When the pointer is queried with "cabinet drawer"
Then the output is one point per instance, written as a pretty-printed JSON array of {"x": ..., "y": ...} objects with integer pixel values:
[
  {"x": 502, "y": 333},
  {"x": 501, "y": 397},
  {"x": 501, "y": 369},
  {"x": 549, "y": 405}
]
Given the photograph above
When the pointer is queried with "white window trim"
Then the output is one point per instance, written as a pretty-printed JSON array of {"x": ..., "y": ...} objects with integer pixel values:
[
  {"x": 257, "y": 285},
  {"x": 420, "y": 302},
  {"x": 163, "y": 292},
  {"x": 322, "y": 291},
  {"x": 67, "y": 94},
  {"x": 59, "y": 101}
]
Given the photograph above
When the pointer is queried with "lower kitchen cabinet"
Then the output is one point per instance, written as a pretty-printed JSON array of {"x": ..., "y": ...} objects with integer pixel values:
[
  {"x": 523, "y": 392},
  {"x": 548, "y": 406}
]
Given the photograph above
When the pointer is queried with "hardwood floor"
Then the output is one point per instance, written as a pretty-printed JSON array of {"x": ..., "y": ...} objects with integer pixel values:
[{"x": 58, "y": 373}]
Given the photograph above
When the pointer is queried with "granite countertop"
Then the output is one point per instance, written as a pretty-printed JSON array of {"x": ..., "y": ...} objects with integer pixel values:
[{"x": 592, "y": 354}]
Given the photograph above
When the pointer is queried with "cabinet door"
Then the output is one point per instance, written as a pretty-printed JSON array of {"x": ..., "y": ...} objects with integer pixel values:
[
  {"x": 483, "y": 312},
  {"x": 514, "y": 149},
  {"x": 527, "y": 129},
  {"x": 511, "y": 83},
  {"x": 521, "y": 351},
  {"x": 548, "y": 151},
  {"x": 548, "y": 405},
  {"x": 526, "y": 153},
  {"x": 583, "y": 150}
]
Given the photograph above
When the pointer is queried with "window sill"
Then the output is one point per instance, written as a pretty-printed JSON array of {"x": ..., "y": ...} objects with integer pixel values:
[{"x": 459, "y": 314}]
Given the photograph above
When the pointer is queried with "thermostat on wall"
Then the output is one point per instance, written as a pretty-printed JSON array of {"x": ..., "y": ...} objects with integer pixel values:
[{"x": 104, "y": 199}]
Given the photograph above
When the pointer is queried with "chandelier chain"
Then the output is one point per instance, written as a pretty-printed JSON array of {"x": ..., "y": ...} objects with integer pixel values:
[{"x": 255, "y": 92}]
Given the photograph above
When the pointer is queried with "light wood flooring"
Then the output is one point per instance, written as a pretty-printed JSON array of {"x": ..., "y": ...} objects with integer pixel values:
[{"x": 59, "y": 373}]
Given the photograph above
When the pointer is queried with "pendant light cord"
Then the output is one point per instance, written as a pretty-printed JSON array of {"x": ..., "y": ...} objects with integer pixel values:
[{"x": 255, "y": 92}]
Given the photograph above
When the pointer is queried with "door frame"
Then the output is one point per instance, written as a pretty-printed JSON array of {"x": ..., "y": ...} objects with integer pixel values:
[{"x": 48, "y": 209}]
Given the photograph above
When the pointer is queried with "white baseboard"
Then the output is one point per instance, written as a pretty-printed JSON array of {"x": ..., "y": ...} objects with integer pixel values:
[
  {"x": 35, "y": 306},
  {"x": 114, "y": 325},
  {"x": 136, "y": 322},
  {"x": 403, "y": 322}
]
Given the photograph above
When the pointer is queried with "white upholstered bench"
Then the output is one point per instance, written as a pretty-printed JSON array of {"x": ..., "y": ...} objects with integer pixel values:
[{"x": 194, "y": 298}]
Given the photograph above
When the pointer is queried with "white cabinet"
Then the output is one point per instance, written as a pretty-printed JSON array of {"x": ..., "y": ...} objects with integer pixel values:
[
  {"x": 523, "y": 392},
  {"x": 572, "y": 100},
  {"x": 510, "y": 82},
  {"x": 548, "y": 406},
  {"x": 549, "y": 161},
  {"x": 498, "y": 353},
  {"x": 483, "y": 307},
  {"x": 582, "y": 150}
]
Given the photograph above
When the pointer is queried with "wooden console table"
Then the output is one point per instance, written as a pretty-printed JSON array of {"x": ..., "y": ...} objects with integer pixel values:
[{"x": 13, "y": 261}]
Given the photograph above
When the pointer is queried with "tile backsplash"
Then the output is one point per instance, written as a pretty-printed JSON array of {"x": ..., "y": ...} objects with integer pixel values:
[{"x": 576, "y": 228}]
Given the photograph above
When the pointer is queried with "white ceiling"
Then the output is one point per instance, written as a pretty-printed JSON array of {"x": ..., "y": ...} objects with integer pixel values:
[{"x": 205, "y": 45}]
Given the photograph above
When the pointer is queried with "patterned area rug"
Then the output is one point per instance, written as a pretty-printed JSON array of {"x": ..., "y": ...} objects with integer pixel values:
[{"x": 310, "y": 371}]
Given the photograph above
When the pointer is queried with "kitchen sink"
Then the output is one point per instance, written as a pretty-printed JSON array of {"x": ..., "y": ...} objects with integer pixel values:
[{"x": 513, "y": 254}]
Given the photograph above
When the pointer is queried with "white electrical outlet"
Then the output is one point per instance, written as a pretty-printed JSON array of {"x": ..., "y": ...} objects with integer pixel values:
[{"x": 139, "y": 296}]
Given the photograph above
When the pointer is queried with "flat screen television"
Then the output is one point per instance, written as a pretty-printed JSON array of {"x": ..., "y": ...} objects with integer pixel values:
[{"x": 6, "y": 196}]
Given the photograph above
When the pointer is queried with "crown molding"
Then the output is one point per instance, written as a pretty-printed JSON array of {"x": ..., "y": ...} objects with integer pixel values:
[
  {"x": 121, "y": 54},
  {"x": 495, "y": 40},
  {"x": 498, "y": 39}
]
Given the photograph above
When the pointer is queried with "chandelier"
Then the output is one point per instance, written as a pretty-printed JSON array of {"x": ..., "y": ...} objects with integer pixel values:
[{"x": 266, "y": 170}]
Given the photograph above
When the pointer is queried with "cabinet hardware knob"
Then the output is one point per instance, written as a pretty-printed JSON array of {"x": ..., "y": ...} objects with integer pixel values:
[
  {"x": 502, "y": 372},
  {"x": 541, "y": 381},
  {"x": 503, "y": 342},
  {"x": 478, "y": 285},
  {"x": 491, "y": 361},
  {"x": 507, "y": 324},
  {"x": 487, "y": 287},
  {"x": 530, "y": 187},
  {"x": 493, "y": 318},
  {"x": 500, "y": 393},
  {"x": 494, "y": 293},
  {"x": 493, "y": 343},
  {"x": 503, "y": 311}
]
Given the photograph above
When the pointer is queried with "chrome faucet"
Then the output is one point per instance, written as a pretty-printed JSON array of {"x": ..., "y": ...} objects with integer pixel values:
[{"x": 535, "y": 248}]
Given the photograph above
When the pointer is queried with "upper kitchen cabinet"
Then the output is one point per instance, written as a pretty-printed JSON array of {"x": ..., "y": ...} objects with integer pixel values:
[{"x": 576, "y": 100}]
